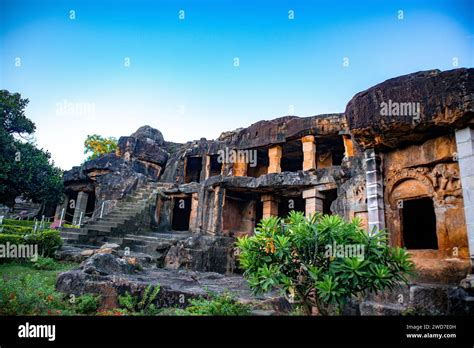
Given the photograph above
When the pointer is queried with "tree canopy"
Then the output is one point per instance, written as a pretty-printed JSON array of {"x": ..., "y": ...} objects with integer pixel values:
[
  {"x": 24, "y": 169},
  {"x": 95, "y": 145}
]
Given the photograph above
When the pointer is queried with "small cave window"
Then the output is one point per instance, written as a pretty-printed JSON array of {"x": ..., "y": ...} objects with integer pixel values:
[
  {"x": 193, "y": 169},
  {"x": 181, "y": 214},
  {"x": 215, "y": 167},
  {"x": 419, "y": 224},
  {"x": 329, "y": 197}
]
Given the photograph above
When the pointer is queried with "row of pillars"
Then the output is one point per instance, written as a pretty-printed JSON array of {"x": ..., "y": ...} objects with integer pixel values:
[
  {"x": 313, "y": 203},
  {"x": 309, "y": 155}
]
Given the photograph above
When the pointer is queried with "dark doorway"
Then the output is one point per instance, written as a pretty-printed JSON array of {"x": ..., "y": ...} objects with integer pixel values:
[
  {"x": 181, "y": 213},
  {"x": 288, "y": 204},
  {"x": 215, "y": 167},
  {"x": 90, "y": 204},
  {"x": 258, "y": 212},
  {"x": 329, "y": 197},
  {"x": 71, "y": 206},
  {"x": 419, "y": 224},
  {"x": 261, "y": 166},
  {"x": 193, "y": 169},
  {"x": 292, "y": 156}
]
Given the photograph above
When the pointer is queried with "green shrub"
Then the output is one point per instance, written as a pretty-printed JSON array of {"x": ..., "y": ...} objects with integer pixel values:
[
  {"x": 12, "y": 229},
  {"x": 45, "y": 263},
  {"x": 293, "y": 255},
  {"x": 29, "y": 294},
  {"x": 223, "y": 304},
  {"x": 24, "y": 223},
  {"x": 48, "y": 241},
  {"x": 87, "y": 304},
  {"x": 141, "y": 306}
]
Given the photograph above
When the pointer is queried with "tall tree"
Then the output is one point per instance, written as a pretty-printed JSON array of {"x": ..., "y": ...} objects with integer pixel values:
[{"x": 24, "y": 169}]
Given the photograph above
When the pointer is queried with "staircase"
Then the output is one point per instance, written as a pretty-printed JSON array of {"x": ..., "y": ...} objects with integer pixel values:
[{"x": 128, "y": 216}]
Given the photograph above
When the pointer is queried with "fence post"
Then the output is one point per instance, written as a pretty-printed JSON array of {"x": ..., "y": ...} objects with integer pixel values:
[
  {"x": 61, "y": 218},
  {"x": 80, "y": 219},
  {"x": 102, "y": 210}
]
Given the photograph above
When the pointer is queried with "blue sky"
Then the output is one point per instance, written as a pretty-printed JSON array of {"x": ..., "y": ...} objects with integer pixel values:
[{"x": 182, "y": 79}]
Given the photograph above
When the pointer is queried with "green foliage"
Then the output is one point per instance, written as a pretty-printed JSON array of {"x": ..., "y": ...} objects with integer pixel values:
[
  {"x": 223, "y": 304},
  {"x": 293, "y": 255},
  {"x": 25, "y": 290},
  {"x": 11, "y": 229},
  {"x": 87, "y": 304},
  {"x": 141, "y": 306},
  {"x": 45, "y": 263},
  {"x": 48, "y": 241},
  {"x": 24, "y": 169},
  {"x": 23, "y": 223},
  {"x": 95, "y": 145}
]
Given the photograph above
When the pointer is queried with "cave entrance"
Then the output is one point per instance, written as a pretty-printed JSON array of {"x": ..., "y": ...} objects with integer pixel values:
[
  {"x": 292, "y": 156},
  {"x": 215, "y": 166},
  {"x": 261, "y": 166},
  {"x": 238, "y": 215},
  {"x": 329, "y": 197},
  {"x": 287, "y": 204},
  {"x": 181, "y": 214},
  {"x": 193, "y": 169},
  {"x": 90, "y": 204},
  {"x": 419, "y": 224},
  {"x": 329, "y": 151},
  {"x": 71, "y": 206}
]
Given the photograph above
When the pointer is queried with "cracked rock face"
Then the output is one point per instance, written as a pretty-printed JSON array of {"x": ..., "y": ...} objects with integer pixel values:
[{"x": 412, "y": 108}]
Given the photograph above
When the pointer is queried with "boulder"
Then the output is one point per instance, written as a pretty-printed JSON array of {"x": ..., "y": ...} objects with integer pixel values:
[
  {"x": 106, "y": 264},
  {"x": 385, "y": 116}
]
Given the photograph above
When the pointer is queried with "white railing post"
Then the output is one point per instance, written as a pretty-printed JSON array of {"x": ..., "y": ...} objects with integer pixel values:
[
  {"x": 80, "y": 219},
  {"x": 102, "y": 210},
  {"x": 61, "y": 218}
]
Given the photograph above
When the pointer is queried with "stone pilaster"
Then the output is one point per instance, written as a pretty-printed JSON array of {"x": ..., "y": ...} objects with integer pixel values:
[
  {"x": 313, "y": 201},
  {"x": 348, "y": 146},
  {"x": 309, "y": 152},
  {"x": 206, "y": 167},
  {"x": 193, "y": 216},
  {"x": 274, "y": 158},
  {"x": 81, "y": 205},
  {"x": 374, "y": 191},
  {"x": 240, "y": 165},
  {"x": 465, "y": 148},
  {"x": 270, "y": 206}
]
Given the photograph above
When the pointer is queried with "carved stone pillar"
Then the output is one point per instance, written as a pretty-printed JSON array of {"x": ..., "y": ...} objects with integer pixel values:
[
  {"x": 313, "y": 201},
  {"x": 309, "y": 152},
  {"x": 465, "y": 149},
  {"x": 348, "y": 146},
  {"x": 270, "y": 206},
  {"x": 374, "y": 191},
  {"x": 81, "y": 205},
  {"x": 274, "y": 157}
]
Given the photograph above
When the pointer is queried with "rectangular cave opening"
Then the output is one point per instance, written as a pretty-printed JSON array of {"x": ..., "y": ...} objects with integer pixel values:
[
  {"x": 71, "y": 206},
  {"x": 90, "y": 204},
  {"x": 329, "y": 197},
  {"x": 419, "y": 224},
  {"x": 329, "y": 151},
  {"x": 215, "y": 167},
  {"x": 287, "y": 204},
  {"x": 260, "y": 166},
  {"x": 238, "y": 215},
  {"x": 193, "y": 169},
  {"x": 181, "y": 214},
  {"x": 292, "y": 156}
]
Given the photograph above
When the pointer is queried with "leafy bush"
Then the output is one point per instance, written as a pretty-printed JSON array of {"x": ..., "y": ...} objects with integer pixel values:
[
  {"x": 87, "y": 304},
  {"x": 48, "y": 241},
  {"x": 13, "y": 229},
  {"x": 45, "y": 263},
  {"x": 23, "y": 223},
  {"x": 143, "y": 305},
  {"x": 223, "y": 304},
  {"x": 293, "y": 255}
]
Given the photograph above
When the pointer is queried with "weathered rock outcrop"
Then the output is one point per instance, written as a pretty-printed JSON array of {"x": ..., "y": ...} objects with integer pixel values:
[{"x": 445, "y": 100}]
